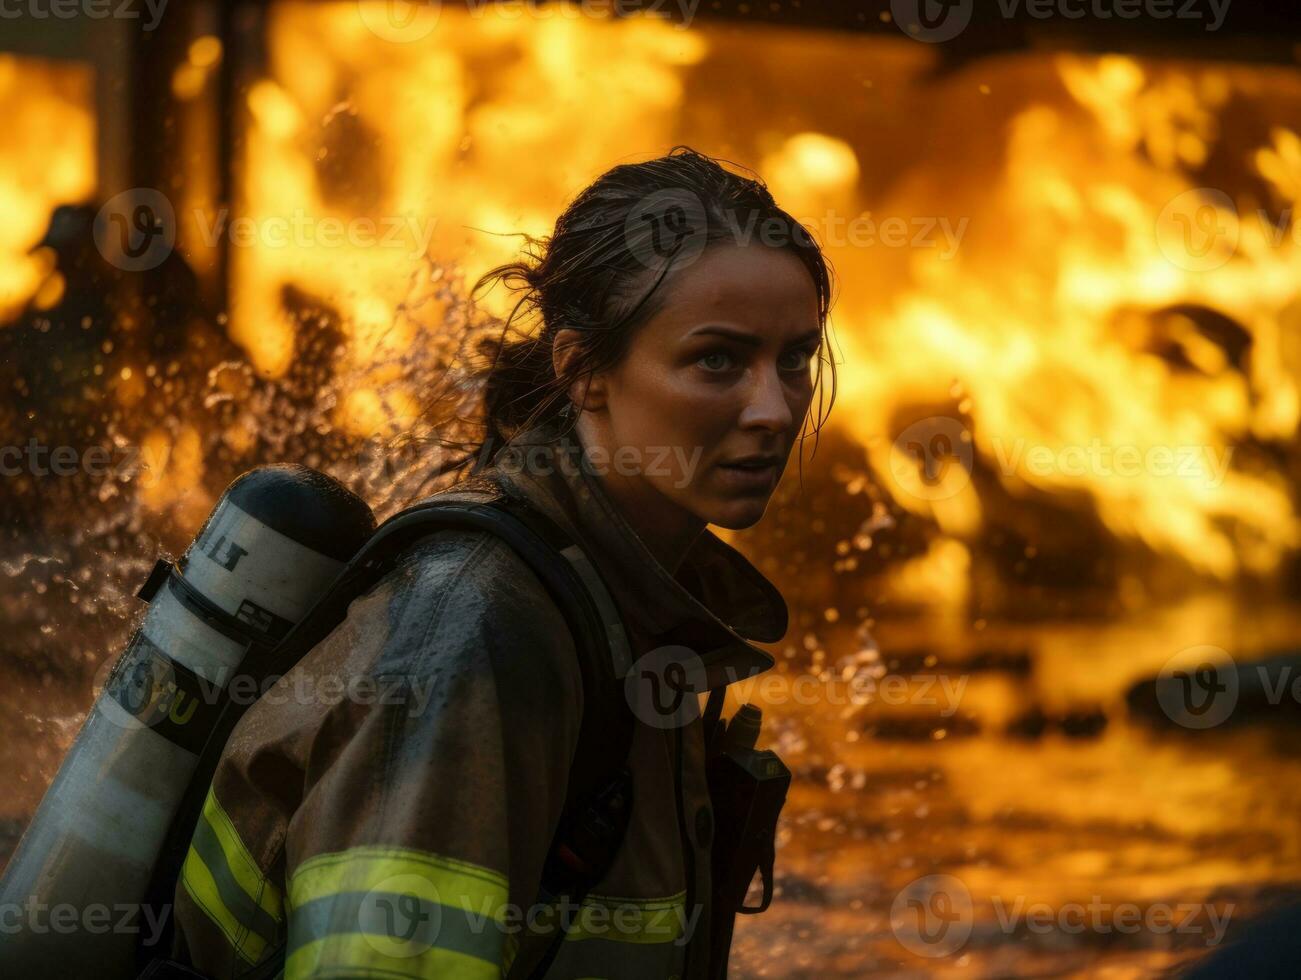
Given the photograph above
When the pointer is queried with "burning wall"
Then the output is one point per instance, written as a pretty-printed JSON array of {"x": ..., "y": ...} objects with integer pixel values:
[
  {"x": 1030, "y": 275},
  {"x": 1066, "y": 283}
]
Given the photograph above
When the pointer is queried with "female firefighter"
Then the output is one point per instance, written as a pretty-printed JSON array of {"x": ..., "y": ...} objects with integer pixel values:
[{"x": 400, "y": 828}]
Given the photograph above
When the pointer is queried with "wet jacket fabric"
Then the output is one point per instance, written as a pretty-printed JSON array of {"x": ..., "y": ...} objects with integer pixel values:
[{"x": 387, "y": 806}]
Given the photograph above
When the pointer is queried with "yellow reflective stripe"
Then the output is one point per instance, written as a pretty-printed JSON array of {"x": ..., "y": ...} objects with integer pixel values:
[
  {"x": 431, "y": 877},
  {"x": 242, "y": 866},
  {"x": 394, "y": 912},
  {"x": 629, "y": 920},
  {"x": 222, "y": 878},
  {"x": 202, "y": 888},
  {"x": 354, "y": 955}
]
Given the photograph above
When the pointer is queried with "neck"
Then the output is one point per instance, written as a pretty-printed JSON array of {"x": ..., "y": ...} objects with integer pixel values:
[{"x": 667, "y": 530}]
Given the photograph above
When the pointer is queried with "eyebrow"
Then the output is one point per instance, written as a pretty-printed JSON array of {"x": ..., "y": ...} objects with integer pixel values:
[{"x": 749, "y": 339}]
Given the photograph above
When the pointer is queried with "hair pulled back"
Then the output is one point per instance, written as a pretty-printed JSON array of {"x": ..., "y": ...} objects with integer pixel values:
[{"x": 602, "y": 273}]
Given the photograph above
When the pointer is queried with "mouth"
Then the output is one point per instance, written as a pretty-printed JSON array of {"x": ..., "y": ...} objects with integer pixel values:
[
  {"x": 754, "y": 462},
  {"x": 751, "y": 473}
]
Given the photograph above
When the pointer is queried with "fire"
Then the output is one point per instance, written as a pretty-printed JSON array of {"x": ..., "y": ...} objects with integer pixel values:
[
  {"x": 46, "y": 159},
  {"x": 449, "y": 143},
  {"x": 1044, "y": 303},
  {"x": 1045, "y": 324}
]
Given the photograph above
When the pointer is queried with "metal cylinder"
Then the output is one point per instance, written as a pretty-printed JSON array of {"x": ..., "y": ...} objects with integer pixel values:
[{"x": 71, "y": 897}]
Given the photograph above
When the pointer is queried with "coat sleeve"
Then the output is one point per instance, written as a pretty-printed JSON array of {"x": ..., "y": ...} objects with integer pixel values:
[
  {"x": 408, "y": 813},
  {"x": 426, "y": 816}
]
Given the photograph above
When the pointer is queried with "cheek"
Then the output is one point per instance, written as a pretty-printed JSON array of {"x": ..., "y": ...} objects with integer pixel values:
[
  {"x": 800, "y": 399},
  {"x": 657, "y": 406}
]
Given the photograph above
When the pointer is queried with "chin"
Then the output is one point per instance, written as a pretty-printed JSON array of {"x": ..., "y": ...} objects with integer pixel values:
[{"x": 737, "y": 515}]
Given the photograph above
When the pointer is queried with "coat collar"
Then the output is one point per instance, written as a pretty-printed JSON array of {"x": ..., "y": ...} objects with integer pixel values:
[{"x": 716, "y": 603}]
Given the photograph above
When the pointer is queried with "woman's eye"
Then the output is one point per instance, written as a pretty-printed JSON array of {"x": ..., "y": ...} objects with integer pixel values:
[
  {"x": 715, "y": 361},
  {"x": 797, "y": 360}
]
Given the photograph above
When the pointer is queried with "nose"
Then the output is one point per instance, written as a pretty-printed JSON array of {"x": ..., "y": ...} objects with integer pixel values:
[{"x": 766, "y": 405}]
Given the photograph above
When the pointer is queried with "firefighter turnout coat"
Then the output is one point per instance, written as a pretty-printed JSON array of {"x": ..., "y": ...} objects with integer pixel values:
[{"x": 386, "y": 808}]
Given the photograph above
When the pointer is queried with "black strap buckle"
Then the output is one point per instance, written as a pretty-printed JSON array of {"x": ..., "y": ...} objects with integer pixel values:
[{"x": 162, "y": 568}]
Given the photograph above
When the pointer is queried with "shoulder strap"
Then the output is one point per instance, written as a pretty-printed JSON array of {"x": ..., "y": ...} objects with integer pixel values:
[{"x": 577, "y": 857}]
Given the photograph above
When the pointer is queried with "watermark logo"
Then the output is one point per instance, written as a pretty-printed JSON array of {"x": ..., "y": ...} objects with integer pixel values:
[
  {"x": 1199, "y": 230},
  {"x": 1198, "y": 687},
  {"x": 932, "y": 21},
  {"x": 932, "y": 916},
  {"x": 136, "y": 230},
  {"x": 663, "y": 685},
  {"x": 932, "y": 459},
  {"x": 669, "y": 225},
  {"x": 141, "y": 689},
  {"x": 400, "y": 21},
  {"x": 401, "y": 916}
]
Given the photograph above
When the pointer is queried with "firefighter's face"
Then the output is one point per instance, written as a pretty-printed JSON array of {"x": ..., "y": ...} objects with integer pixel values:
[{"x": 714, "y": 389}]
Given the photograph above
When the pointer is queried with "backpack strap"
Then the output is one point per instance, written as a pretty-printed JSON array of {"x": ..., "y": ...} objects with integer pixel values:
[{"x": 599, "y": 792}]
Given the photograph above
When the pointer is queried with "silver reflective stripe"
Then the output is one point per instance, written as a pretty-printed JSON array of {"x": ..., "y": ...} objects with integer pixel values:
[
  {"x": 190, "y": 641},
  {"x": 619, "y": 650},
  {"x": 270, "y": 569}
]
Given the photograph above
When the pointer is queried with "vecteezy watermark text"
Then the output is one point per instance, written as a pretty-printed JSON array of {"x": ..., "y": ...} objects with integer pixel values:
[
  {"x": 121, "y": 462},
  {"x": 303, "y": 230},
  {"x": 144, "y": 690},
  {"x": 934, "y": 916},
  {"x": 1097, "y": 458},
  {"x": 136, "y": 230},
  {"x": 663, "y": 685},
  {"x": 666, "y": 461},
  {"x": 403, "y": 916},
  {"x": 150, "y": 10},
  {"x": 673, "y": 224},
  {"x": 95, "y": 918},
  {"x": 937, "y": 21},
  {"x": 863, "y": 230},
  {"x": 933, "y": 459}
]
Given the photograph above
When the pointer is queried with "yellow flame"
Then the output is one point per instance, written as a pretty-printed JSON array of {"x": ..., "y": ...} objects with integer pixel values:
[
  {"x": 1077, "y": 243},
  {"x": 47, "y": 158},
  {"x": 1067, "y": 241}
]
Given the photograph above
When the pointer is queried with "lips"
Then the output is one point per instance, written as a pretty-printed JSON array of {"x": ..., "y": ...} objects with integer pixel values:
[
  {"x": 751, "y": 474},
  {"x": 752, "y": 462}
]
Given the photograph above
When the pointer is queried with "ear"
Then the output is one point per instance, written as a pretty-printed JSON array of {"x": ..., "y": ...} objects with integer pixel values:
[{"x": 589, "y": 393}]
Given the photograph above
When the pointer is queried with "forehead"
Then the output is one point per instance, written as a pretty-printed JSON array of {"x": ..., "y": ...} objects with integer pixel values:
[{"x": 759, "y": 288}]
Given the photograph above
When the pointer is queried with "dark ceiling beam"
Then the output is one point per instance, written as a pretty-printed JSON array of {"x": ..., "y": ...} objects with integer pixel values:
[
  {"x": 1243, "y": 30},
  {"x": 1248, "y": 30}
]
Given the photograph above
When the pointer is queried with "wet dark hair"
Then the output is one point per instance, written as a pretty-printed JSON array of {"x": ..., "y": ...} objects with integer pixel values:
[{"x": 602, "y": 272}]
